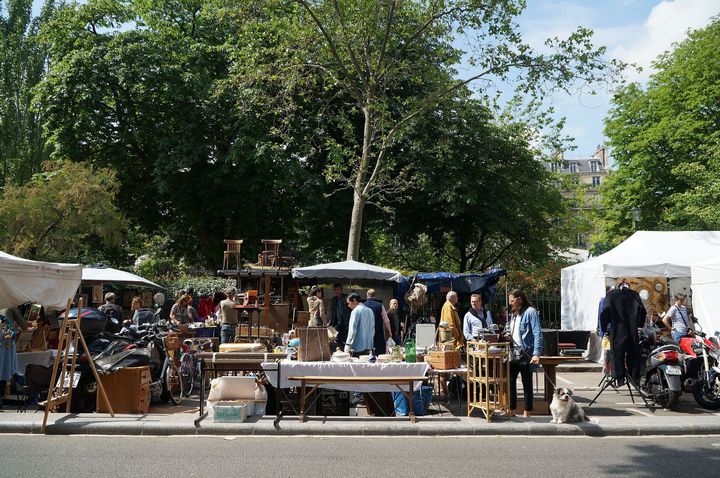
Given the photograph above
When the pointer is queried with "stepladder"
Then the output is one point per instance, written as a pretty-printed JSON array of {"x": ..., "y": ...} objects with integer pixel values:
[{"x": 71, "y": 343}]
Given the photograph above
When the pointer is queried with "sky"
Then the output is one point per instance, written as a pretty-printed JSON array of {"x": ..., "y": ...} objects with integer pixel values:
[{"x": 634, "y": 31}]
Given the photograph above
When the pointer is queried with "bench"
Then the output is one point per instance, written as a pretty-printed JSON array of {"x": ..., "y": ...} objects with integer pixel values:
[{"x": 404, "y": 384}]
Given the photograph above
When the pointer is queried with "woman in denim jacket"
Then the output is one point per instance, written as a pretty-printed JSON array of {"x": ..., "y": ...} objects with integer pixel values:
[{"x": 524, "y": 330}]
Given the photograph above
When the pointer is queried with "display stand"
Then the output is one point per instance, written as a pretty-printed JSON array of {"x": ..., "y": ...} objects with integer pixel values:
[
  {"x": 64, "y": 368},
  {"x": 488, "y": 384},
  {"x": 609, "y": 380}
]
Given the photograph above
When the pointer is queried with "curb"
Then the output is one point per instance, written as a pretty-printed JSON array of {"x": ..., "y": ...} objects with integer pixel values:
[{"x": 362, "y": 427}]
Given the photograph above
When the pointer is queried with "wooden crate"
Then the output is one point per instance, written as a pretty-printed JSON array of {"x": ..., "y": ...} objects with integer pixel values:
[
  {"x": 128, "y": 390},
  {"x": 444, "y": 359}
]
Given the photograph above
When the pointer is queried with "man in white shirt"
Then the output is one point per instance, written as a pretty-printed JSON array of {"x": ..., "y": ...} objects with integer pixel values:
[{"x": 476, "y": 318}]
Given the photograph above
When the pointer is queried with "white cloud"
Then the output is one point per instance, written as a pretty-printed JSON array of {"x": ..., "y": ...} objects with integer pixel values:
[{"x": 667, "y": 23}]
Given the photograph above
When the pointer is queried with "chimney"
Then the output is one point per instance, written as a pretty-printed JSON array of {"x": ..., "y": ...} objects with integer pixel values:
[{"x": 601, "y": 155}]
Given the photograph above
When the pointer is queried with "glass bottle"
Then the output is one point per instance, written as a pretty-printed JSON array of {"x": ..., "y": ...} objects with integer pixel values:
[{"x": 410, "y": 355}]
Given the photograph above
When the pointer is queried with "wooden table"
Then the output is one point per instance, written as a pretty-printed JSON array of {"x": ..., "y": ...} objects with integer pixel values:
[
  {"x": 399, "y": 382},
  {"x": 549, "y": 364},
  {"x": 214, "y": 363}
]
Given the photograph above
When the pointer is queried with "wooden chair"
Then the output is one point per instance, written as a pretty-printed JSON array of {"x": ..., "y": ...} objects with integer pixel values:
[
  {"x": 232, "y": 249},
  {"x": 270, "y": 256}
]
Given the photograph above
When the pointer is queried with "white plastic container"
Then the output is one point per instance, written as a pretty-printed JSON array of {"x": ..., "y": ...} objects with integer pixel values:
[{"x": 230, "y": 411}]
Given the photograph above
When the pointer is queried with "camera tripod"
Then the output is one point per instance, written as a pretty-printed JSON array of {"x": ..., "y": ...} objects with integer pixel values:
[{"x": 609, "y": 380}]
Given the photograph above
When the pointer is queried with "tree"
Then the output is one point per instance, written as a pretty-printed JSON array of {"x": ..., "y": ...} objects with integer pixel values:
[
  {"x": 666, "y": 144},
  {"x": 393, "y": 60},
  {"x": 64, "y": 213},
  {"x": 22, "y": 65},
  {"x": 484, "y": 199}
]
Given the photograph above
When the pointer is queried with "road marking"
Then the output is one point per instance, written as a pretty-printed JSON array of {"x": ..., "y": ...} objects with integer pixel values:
[{"x": 560, "y": 379}]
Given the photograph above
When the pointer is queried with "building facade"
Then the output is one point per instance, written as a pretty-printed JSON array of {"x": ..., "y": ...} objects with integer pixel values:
[{"x": 585, "y": 175}]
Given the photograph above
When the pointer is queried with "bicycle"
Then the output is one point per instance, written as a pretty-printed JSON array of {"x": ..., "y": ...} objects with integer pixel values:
[{"x": 190, "y": 365}]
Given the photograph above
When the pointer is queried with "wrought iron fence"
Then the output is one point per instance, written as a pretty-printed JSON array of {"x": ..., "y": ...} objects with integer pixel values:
[{"x": 548, "y": 305}]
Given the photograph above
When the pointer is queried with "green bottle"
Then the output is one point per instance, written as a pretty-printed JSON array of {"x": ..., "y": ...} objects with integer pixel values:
[{"x": 410, "y": 356}]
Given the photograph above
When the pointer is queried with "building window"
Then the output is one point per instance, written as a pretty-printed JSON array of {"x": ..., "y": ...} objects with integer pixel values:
[
  {"x": 595, "y": 181},
  {"x": 573, "y": 167},
  {"x": 554, "y": 167},
  {"x": 593, "y": 166}
]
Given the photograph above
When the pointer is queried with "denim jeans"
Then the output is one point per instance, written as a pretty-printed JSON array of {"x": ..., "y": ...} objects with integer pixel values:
[
  {"x": 678, "y": 335},
  {"x": 227, "y": 333}
]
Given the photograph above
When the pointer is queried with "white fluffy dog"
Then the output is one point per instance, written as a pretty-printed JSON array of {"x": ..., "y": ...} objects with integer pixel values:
[{"x": 564, "y": 409}]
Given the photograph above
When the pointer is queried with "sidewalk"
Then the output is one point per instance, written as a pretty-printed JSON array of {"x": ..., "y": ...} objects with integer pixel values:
[{"x": 614, "y": 414}]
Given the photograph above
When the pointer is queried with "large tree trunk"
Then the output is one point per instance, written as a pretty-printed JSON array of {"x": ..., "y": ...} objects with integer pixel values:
[
  {"x": 356, "y": 220},
  {"x": 359, "y": 197}
]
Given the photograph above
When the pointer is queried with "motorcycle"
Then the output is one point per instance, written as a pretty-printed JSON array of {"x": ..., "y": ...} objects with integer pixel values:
[
  {"x": 702, "y": 376},
  {"x": 660, "y": 380}
]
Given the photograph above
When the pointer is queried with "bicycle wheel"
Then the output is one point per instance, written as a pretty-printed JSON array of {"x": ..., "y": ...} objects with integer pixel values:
[
  {"x": 174, "y": 383},
  {"x": 187, "y": 372}
]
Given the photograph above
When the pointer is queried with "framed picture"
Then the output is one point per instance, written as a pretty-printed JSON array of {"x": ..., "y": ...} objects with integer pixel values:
[{"x": 97, "y": 294}]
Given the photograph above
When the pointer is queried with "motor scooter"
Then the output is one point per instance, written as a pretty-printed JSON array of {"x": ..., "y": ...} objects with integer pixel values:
[
  {"x": 661, "y": 377},
  {"x": 702, "y": 373}
]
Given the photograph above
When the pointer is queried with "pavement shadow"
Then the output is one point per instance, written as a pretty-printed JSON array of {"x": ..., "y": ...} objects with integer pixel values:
[{"x": 647, "y": 458}]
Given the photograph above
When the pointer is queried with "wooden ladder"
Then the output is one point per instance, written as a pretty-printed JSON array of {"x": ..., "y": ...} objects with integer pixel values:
[{"x": 63, "y": 374}]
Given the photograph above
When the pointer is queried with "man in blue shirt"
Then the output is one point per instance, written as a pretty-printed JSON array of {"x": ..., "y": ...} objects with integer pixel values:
[{"x": 361, "y": 329}]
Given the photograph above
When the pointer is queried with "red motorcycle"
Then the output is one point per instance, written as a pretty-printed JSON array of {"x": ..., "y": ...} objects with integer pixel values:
[{"x": 702, "y": 373}]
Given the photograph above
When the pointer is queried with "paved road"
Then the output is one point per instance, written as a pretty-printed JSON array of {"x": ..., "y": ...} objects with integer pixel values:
[{"x": 81, "y": 456}]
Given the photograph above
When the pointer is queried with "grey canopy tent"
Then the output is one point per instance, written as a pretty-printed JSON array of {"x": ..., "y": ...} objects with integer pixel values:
[{"x": 347, "y": 270}]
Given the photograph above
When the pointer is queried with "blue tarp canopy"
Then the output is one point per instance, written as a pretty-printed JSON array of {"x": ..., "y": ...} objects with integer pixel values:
[{"x": 465, "y": 283}]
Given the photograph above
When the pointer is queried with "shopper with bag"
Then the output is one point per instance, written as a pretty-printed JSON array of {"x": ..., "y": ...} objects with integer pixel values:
[{"x": 524, "y": 332}]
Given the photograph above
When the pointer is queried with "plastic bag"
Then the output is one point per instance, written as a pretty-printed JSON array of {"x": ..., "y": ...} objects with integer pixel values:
[{"x": 421, "y": 402}]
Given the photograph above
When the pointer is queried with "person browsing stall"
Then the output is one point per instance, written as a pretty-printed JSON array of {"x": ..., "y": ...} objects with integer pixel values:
[
  {"x": 339, "y": 314},
  {"x": 449, "y": 315},
  {"x": 228, "y": 317},
  {"x": 361, "y": 330},
  {"x": 382, "y": 322},
  {"x": 476, "y": 319},
  {"x": 179, "y": 314},
  {"x": 316, "y": 307},
  {"x": 677, "y": 319},
  {"x": 524, "y": 332}
]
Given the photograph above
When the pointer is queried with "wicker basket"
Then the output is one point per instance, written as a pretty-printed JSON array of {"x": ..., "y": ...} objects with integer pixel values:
[{"x": 172, "y": 342}]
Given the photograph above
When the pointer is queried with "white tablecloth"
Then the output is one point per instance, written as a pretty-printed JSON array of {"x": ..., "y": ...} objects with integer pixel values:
[
  {"x": 44, "y": 357},
  {"x": 344, "y": 369}
]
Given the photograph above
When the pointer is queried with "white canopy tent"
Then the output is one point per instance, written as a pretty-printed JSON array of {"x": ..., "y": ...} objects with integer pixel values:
[
  {"x": 48, "y": 283},
  {"x": 705, "y": 284},
  {"x": 115, "y": 276},
  {"x": 346, "y": 270},
  {"x": 668, "y": 254}
]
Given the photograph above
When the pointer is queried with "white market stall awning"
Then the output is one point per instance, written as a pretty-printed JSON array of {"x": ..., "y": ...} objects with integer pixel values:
[
  {"x": 644, "y": 254},
  {"x": 48, "y": 283},
  {"x": 705, "y": 284},
  {"x": 346, "y": 270},
  {"x": 115, "y": 276}
]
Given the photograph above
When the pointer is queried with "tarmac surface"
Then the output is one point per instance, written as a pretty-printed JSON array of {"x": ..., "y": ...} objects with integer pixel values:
[{"x": 614, "y": 414}]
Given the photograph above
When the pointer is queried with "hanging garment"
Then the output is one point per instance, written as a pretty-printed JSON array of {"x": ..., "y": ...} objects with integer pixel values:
[{"x": 624, "y": 311}]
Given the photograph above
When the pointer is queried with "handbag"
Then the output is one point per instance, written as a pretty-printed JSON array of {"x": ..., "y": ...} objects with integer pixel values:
[{"x": 519, "y": 356}]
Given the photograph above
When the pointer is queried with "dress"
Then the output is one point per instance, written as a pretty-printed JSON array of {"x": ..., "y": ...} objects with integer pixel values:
[{"x": 8, "y": 356}]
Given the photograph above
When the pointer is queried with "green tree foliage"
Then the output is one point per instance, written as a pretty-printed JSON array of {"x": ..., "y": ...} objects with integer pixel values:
[
  {"x": 666, "y": 144},
  {"x": 140, "y": 86},
  {"x": 392, "y": 61},
  {"x": 483, "y": 198},
  {"x": 64, "y": 213},
  {"x": 22, "y": 65}
]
